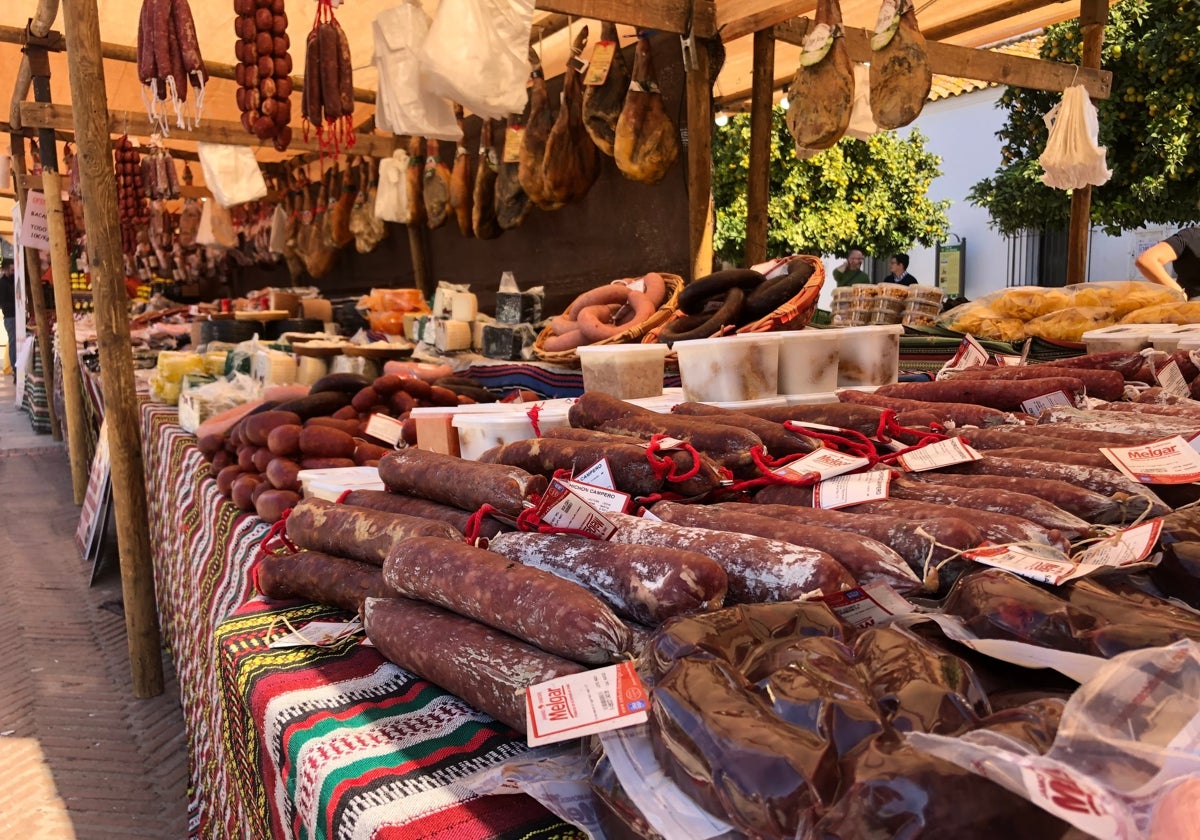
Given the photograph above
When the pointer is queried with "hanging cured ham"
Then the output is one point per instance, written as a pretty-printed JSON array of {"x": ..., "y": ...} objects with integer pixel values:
[
  {"x": 512, "y": 204},
  {"x": 461, "y": 181},
  {"x": 822, "y": 93},
  {"x": 571, "y": 163},
  {"x": 483, "y": 209},
  {"x": 646, "y": 141},
  {"x": 900, "y": 72},
  {"x": 436, "y": 189},
  {"x": 533, "y": 144},
  {"x": 602, "y": 103}
]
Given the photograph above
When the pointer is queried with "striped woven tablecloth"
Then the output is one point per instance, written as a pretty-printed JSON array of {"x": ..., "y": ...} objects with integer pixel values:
[{"x": 304, "y": 743}]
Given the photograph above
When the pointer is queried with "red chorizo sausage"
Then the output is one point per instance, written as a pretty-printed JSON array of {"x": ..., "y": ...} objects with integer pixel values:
[
  {"x": 778, "y": 440},
  {"x": 358, "y": 533},
  {"x": 1101, "y": 384},
  {"x": 345, "y": 87},
  {"x": 707, "y": 477},
  {"x": 311, "y": 107},
  {"x": 861, "y": 418},
  {"x": 422, "y": 508},
  {"x": 632, "y": 472},
  {"x": 1086, "y": 504},
  {"x": 962, "y": 414},
  {"x": 1060, "y": 456},
  {"x": 189, "y": 44},
  {"x": 1125, "y": 363},
  {"x": 462, "y": 484},
  {"x": 331, "y": 100},
  {"x": 545, "y": 610},
  {"x": 1006, "y": 395},
  {"x": 320, "y": 578}
]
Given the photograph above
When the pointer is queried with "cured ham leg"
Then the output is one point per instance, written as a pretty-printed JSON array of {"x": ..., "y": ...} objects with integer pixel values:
[
  {"x": 512, "y": 204},
  {"x": 537, "y": 133},
  {"x": 437, "y": 186},
  {"x": 483, "y": 211},
  {"x": 900, "y": 72},
  {"x": 571, "y": 163},
  {"x": 822, "y": 93},
  {"x": 602, "y": 103},
  {"x": 646, "y": 141},
  {"x": 461, "y": 178}
]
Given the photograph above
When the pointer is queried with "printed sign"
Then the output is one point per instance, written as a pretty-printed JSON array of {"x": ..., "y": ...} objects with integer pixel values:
[
  {"x": 601, "y": 498},
  {"x": 824, "y": 462},
  {"x": 1037, "y": 405},
  {"x": 561, "y": 507},
  {"x": 35, "y": 229},
  {"x": 598, "y": 474},
  {"x": 1167, "y": 461},
  {"x": 585, "y": 704},
  {"x": 601, "y": 61},
  {"x": 514, "y": 136},
  {"x": 866, "y": 606},
  {"x": 970, "y": 353},
  {"x": 1125, "y": 548},
  {"x": 846, "y": 490},
  {"x": 1170, "y": 378},
  {"x": 944, "y": 453}
]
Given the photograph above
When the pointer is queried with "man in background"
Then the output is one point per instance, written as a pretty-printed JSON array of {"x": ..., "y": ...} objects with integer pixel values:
[
  {"x": 8, "y": 305},
  {"x": 1183, "y": 251},
  {"x": 898, "y": 266},
  {"x": 850, "y": 272}
]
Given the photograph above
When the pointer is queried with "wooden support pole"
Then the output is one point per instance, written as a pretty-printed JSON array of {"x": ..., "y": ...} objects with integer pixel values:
[
  {"x": 37, "y": 298},
  {"x": 420, "y": 260},
  {"x": 112, "y": 333},
  {"x": 699, "y": 163},
  {"x": 758, "y": 185},
  {"x": 1093, "y": 15}
]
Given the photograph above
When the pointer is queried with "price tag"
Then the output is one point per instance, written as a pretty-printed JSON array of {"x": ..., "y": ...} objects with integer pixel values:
[
  {"x": 384, "y": 428},
  {"x": 1027, "y": 561},
  {"x": 319, "y": 634},
  {"x": 561, "y": 507},
  {"x": 638, "y": 285},
  {"x": 1037, "y": 405},
  {"x": 600, "y": 63},
  {"x": 825, "y": 462},
  {"x": 1125, "y": 548},
  {"x": 944, "y": 453},
  {"x": 1168, "y": 461},
  {"x": 585, "y": 704},
  {"x": 648, "y": 514},
  {"x": 1171, "y": 379},
  {"x": 598, "y": 474},
  {"x": 514, "y": 136},
  {"x": 602, "y": 499},
  {"x": 847, "y": 490},
  {"x": 1005, "y": 360},
  {"x": 970, "y": 353},
  {"x": 800, "y": 425},
  {"x": 866, "y": 606}
]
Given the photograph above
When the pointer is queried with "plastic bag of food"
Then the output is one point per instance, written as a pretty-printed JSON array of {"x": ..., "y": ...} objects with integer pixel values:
[
  {"x": 391, "y": 196},
  {"x": 1028, "y": 302},
  {"x": 1073, "y": 158},
  {"x": 1126, "y": 760},
  {"x": 404, "y": 106},
  {"x": 1070, "y": 324},
  {"x": 981, "y": 321},
  {"x": 1166, "y": 313}
]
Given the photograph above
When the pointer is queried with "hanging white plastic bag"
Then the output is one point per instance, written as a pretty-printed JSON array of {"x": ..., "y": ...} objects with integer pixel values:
[
  {"x": 1073, "y": 158},
  {"x": 862, "y": 121},
  {"x": 216, "y": 227},
  {"x": 477, "y": 54},
  {"x": 402, "y": 104},
  {"x": 232, "y": 173},
  {"x": 391, "y": 196},
  {"x": 279, "y": 232}
]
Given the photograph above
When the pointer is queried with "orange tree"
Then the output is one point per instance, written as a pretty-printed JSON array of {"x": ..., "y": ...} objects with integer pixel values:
[
  {"x": 1150, "y": 126},
  {"x": 868, "y": 194}
]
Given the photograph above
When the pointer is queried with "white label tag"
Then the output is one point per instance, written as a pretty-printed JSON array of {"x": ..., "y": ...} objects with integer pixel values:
[
  {"x": 1005, "y": 360},
  {"x": 601, "y": 498},
  {"x": 319, "y": 634},
  {"x": 801, "y": 425},
  {"x": 1047, "y": 566},
  {"x": 1167, "y": 461},
  {"x": 598, "y": 474},
  {"x": 584, "y": 704},
  {"x": 384, "y": 428},
  {"x": 638, "y": 285},
  {"x": 563, "y": 508},
  {"x": 847, "y": 490},
  {"x": 970, "y": 353},
  {"x": 824, "y": 462},
  {"x": 866, "y": 606},
  {"x": 1124, "y": 548},
  {"x": 1037, "y": 405},
  {"x": 669, "y": 443},
  {"x": 1171, "y": 379},
  {"x": 648, "y": 514},
  {"x": 944, "y": 453}
]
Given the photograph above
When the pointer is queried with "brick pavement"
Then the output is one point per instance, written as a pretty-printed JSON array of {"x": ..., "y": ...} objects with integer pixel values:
[{"x": 83, "y": 758}]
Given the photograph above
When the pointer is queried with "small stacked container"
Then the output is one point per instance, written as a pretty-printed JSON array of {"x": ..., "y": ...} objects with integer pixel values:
[
  {"x": 923, "y": 306},
  {"x": 840, "y": 306}
]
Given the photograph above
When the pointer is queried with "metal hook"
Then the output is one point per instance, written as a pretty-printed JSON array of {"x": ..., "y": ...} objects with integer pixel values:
[{"x": 1076, "y": 76}]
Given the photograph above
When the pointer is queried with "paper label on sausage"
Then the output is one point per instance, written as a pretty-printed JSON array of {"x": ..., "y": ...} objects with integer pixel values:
[
  {"x": 846, "y": 490},
  {"x": 561, "y": 507},
  {"x": 944, "y": 453},
  {"x": 600, "y": 63},
  {"x": 514, "y": 136},
  {"x": 1006, "y": 360},
  {"x": 384, "y": 428},
  {"x": 668, "y": 443},
  {"x": 1045, "y": 564},
  {"x": 970, "y": 353},
  {"x": 1170, "y": 378},
  {"x": 319, "y": 634},
  {"x": 585, "y": 704},
  {"x": 826, "y": 463},
  {"x": 866, "y": 606},
  {"x": 1037, "y": 405},
  {"x": 598, "y": 474},
  {"x": 603, "y": 499},
  {"x": 1124, "y": 548},
  {"x": 1168, "y": 461}
]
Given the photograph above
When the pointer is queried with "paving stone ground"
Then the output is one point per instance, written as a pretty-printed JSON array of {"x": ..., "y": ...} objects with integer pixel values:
[{"x": 82, "y": 757}]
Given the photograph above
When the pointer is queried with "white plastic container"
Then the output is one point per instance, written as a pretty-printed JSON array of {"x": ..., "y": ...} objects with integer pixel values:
[
  {"x": 625, "y": 371},
  {"x": 732, "y": 368},
  {"x": 1128, "y": 338},
  {"x": 808, "y": 361},
  {"x": 330, "y": 484},
  {"x": 1167, "y": 337},
  {"x": 480, "y": 431},
  {"x": 663, "y": 403},
  {"x": 869, "y": 355},
  {"x": 777, "y": 401}
]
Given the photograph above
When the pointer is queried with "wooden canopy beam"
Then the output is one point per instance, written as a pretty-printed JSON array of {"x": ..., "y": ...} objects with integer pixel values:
[
  {"x": 666, "y": 15},
  {"x": 736, "y": 20},
  {"x": 37, "y": 115},
  {"x": 986, "y": 17}
]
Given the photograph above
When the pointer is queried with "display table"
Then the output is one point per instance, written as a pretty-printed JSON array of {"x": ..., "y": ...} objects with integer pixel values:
[{"x": 302, "y": 742}]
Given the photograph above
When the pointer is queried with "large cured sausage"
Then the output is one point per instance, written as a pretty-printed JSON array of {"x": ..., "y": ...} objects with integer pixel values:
[
  {"x": 358, "y": 533},
  {"x": 707, "y": 471},
  {"x": 554, "y": 614},
  {"x": 646, "y": 584},
  {"x": 866, "y": 559},
  {"x": 1079, "y": 501},
  {"x": 320, "y": 578},
  {"x": 778, "y": 440},
  {"x": 861, "y": 418},
  {"x": 759, "y": 569},
  {"x": 413, "y": 506},
  {"x": 1100, "y": 384},
  {"x": 1032, "y": 436},
  {"x": 1005, "y": 395},
  {"x": 486, "y": 668},
  {"x": 962, "y": 414},
  {"x": 463, "y": 484}
]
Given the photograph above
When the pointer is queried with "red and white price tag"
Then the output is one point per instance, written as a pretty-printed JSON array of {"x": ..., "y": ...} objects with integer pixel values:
[
  {"x": 944, "y": 453},
  {"x": 846, "y": 490},
  {"x": 585, "y": 704},
  {"x": 1124, "y": 548},
  {"x": 598, "y": 474},
  {"x": 1054, "y": 399},
  {"x": 970, "y": 353},
  {"x": 562, "y": 507},
  {"x": 824, "y": 462},
  {"x": 667, "y": 443},
  {"x": 1170, "y": 378},
  {"x": 1168, "y": 461},
  {"x": 1027, "y": 561},
  {"x": 601, "y": 498},
  {"x": 866, "y": 606}
]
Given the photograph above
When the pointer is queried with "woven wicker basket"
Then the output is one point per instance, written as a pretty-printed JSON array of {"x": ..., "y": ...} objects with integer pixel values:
[{"x": 569, "y": 358}]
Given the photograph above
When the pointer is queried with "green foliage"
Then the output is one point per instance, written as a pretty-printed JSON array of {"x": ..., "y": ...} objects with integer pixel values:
[
  {"x": 1150, "y": 126},
  {"x": 867, "y": 194}
]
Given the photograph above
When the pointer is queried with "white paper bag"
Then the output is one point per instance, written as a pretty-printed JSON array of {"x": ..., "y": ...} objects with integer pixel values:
[{"x": 232, "y": 173}]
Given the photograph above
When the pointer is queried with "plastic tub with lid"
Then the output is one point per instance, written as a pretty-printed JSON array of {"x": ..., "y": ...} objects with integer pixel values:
[
  {"x": 479, "y": 431},
  {"x": 625, "y": 371},
  {"x": 811, "y": 399},
  {"x": 1167, "y": 337},
  {"x": 731, "y": 368},
  {"x": 777, "y": 401},
  {"x": 869, "y": 355},
  {"x": 808, "y": 361},
  {"x": 1125, "y": 337}
]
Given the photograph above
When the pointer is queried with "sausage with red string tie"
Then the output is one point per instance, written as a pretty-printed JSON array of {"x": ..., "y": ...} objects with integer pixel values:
[
  {"x": 759, "y": 569},
  {"x": 962, "y": 414},
  {"x": 866, "y": 559},
  {"x": 486, "y": 668},
  {"x": 646, "y": 584},
  {"x": 463, "y": 484},
  {"x": 1100, "y": 384},
  {"x": 778, "y": 440},
  {"x": 707, "y": 475},
  {"x": 423, "y": 508},
  {"x": 358, "y": 533},
  {"x": 1005, "y": 395},
  {"x": 863, "y": 419},
  {"x": 1079, "y": 501},
  {"x": 320, "y": 578},
  {"x": 545, "y": 610}
]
